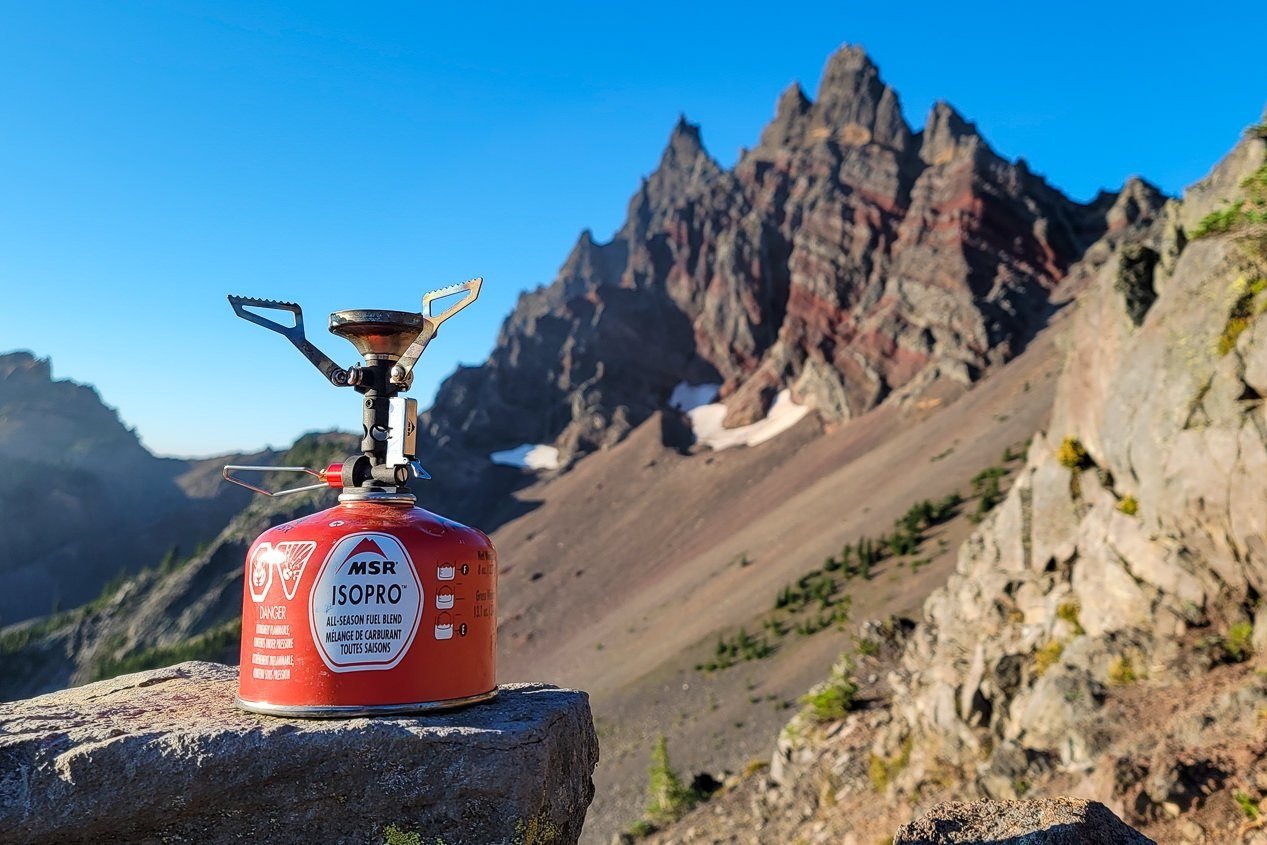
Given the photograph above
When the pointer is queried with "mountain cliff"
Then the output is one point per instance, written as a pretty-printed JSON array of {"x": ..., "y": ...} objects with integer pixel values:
[{"x": 1103, "y": 632}]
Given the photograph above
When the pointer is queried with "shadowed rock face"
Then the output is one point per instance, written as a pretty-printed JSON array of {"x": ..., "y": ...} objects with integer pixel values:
[
  {"x": 164, "y": 756},
  {"x": 845, "y": 256}
]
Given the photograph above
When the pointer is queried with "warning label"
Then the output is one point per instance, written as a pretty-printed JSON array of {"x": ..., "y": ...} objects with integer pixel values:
[
  {"x": 272, "y": 645},
  {"x": 286, "y": 559},
  {"x": 366, "y": 603}
]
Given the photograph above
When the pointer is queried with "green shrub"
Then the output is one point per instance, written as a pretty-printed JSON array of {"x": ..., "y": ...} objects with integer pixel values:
[
  {"x": 1123, "y": 671},
  {"x": 741, "y": 647},
  {"x": 1248, "y": 806},
  {"x": 1047, "y": 656},
  {"x": 1072, "y": 455},
  {"x": 211, "y": 645},
  {"x": 1068, "y": 611},
  {"x": 833, "y": 698},
  {"x": 1218, "y": 222},
  {"x": 1240, "y": 314},
  {"x": 982, "y": 480},
  {"x": 641, "y": 829},
  {"x": 881, "y": 770},
  {"x": 1128, "y": 505},
  {"x": 1237, "y": 642},
  {"x": 866, "y": 646},
  {"x": 667, "y": 798},
  {"x": 946, "y": 507}
]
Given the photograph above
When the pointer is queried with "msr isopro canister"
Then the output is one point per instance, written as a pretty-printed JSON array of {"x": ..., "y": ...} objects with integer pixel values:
[{"x": 374, "y": 606}]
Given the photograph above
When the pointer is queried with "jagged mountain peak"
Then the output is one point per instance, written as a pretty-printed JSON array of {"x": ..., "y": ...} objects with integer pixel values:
[
  {"x": 685, "y": 139},
  {"x": 685, "y": 167},
  {"x": 57, "y": 420},
  {"x": 1137, "y": 200},
  {"x": 684, "y": 163},
  {"x": 791, "y": 116},
  {"x": 838, "y": 261},
  {"x": 854, "y": 105},
  {"x": 850, "y": 71}
]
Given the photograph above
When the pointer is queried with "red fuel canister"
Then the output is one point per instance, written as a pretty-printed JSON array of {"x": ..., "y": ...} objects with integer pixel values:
[{"x": 374, "y": 606}]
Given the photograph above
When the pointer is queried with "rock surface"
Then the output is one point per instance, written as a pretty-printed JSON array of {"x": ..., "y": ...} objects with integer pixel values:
[
  {"x": 1055, "y": 821},
  {"x": 164, "y": 756}
]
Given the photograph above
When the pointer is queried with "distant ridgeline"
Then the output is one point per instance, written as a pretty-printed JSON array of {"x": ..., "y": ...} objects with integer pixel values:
[{"x": 83, "y": 500}]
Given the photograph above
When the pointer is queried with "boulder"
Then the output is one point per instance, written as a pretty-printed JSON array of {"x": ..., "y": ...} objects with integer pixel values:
[
  {"x": 1053, "y": 821},
  {"x": 165, "y": 756}
]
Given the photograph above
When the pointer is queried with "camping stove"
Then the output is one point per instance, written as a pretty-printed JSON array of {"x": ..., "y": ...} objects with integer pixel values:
[{"x": 373, "y": 606}]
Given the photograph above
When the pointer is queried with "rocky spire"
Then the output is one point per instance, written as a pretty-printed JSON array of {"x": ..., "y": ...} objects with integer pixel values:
[
  {"x": 24, "y": 365},
  {"x": 946, "y": 133},
  {"x": 684, "y": 167},
  {"x": 855, "y": 105},
  {"x": 1138, "y": 200},
  {"x": 791, "y": 119}
]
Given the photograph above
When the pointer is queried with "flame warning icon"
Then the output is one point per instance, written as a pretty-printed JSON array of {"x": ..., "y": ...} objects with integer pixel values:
[
  {"x": 286, "y": 560},
  {"x": 295, "y": 556}
]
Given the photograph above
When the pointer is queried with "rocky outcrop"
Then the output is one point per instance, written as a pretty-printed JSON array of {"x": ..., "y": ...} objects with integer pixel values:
[
  {"x": 846, "y": 256},
  {"x": 164, "y": 756},
  {"x": 1055, "y": 821},
  {"x": 83, "y": 500},
  {"x": 1129, "y": 552},
  {"x": 1139, "y": 519}
]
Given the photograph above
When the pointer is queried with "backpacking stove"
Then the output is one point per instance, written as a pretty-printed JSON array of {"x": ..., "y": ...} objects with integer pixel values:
[{"x": 373, "y": 606}]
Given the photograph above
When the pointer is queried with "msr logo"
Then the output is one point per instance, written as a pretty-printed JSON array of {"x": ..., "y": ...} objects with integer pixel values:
[
  {"x": 365, "y": 606},
  {"x": 372, "y": 567}
]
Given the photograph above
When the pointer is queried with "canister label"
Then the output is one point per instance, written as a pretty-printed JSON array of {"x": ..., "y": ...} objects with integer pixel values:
[{"x": 366, "y": 603}]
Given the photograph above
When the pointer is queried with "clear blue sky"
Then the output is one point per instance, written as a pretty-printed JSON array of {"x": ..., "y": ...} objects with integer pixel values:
[{"x": 155, "y": 156}]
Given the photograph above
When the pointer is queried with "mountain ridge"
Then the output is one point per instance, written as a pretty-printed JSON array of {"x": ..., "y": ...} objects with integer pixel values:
[
  {"x": 846, "y": 257},
  {"x": 71, "y": 461}
]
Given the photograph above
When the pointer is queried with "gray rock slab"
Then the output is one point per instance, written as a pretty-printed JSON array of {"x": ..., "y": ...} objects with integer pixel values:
[
  {"x": 1053, "y": 821},
  {"x": 164, "y": 757}
]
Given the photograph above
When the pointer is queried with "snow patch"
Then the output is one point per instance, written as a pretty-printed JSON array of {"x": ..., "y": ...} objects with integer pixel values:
[
  {"x": 706, "y": 422},
  {"x": 688, "y": 397},
  {"x": 536, "y": 456}
]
